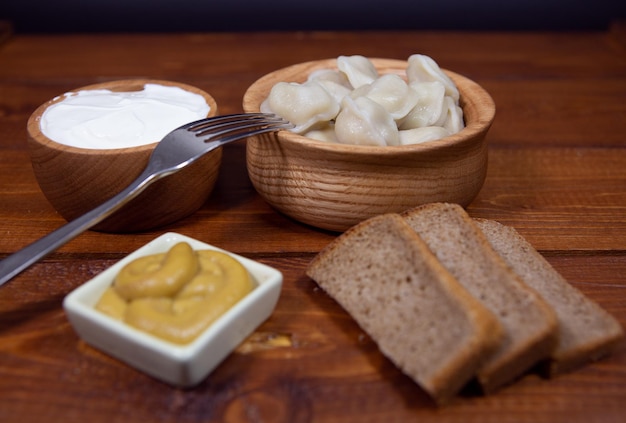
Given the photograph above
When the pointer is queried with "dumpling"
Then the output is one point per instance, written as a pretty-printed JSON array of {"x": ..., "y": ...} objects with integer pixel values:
[
  {"x": 454, "y": 116},
  {"x": 335, "y": 82},
  {"x": 353, "y": 104},
  {"x": 424, "y": 134},
  {"x": 305, "y": 105},
  {"x": 358, "y": 69},
  {"x": 391, "y": 92},
  {"x": 324, "y": 133},
  {"x": 422, "y": 68},
  {"x": 364, "y": 122},
  {"x": 429, "y": 106}
]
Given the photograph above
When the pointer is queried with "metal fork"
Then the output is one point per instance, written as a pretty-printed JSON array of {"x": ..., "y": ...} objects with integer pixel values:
[{"x": 176, "y": 150}]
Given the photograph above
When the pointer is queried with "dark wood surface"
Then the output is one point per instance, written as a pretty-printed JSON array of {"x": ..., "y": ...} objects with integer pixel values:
[{"x": 557, "y": 172}]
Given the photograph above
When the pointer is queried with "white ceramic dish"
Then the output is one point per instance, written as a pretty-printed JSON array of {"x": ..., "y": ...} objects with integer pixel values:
[{"x": 185, "y": 365}]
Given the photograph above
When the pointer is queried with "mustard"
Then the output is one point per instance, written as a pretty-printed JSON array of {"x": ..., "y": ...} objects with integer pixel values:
[
  {"x": 178, "y": 294},
  {"x": 161, "y": 275}
]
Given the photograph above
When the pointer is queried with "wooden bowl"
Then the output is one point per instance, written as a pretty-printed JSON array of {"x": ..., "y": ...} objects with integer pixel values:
[
  {"x": 75, "y": 180},
  {"x": 334, "y": 186}
]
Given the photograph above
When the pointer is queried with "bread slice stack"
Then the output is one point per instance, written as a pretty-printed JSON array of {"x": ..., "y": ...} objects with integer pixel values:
[
  {"x": 449, "y": 299},
  {"x": 422, "y": 319},
  {"x": 530, "y": 324},
  {"x": 586, "y": 331}
]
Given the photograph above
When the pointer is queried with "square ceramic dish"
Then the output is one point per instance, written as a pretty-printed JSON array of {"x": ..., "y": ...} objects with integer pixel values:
[{"x": 179, "y": 365}]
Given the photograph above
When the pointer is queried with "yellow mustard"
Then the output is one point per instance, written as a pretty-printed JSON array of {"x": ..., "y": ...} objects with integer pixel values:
[{"x": 177, "y": 294}]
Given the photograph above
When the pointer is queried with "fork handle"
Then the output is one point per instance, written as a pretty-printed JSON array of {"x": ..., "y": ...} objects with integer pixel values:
[{"x": 12, "y": 265}]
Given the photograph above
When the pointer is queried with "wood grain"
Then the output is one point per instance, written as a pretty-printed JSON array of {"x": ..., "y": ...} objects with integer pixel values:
[{"x": 556, "y": 172}]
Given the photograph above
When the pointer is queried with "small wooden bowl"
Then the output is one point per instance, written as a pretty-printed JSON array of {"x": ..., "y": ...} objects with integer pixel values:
[
  {"x": 75, "y": 180},
  {"x": 334, "y": 186}
]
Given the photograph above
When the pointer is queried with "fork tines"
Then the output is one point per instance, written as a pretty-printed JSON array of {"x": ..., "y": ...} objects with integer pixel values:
[{"x": 238, "y": 123}]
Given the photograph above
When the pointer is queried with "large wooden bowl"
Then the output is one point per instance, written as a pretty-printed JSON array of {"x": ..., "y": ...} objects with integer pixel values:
[
  {"x": 334, "y": 186},
  {"x": 75, "y": 180}
]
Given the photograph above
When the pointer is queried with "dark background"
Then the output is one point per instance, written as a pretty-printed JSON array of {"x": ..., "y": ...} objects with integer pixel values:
[{"x": 66, "y": 16}]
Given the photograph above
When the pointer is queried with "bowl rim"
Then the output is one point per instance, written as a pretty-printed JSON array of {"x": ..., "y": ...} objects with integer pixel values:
[
  {"x": 481, "y": 124},
  {"x": 33, "y": 126}
]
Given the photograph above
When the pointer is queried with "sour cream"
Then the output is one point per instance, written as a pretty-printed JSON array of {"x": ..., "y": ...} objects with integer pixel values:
[{"x": 104, "y": 119}]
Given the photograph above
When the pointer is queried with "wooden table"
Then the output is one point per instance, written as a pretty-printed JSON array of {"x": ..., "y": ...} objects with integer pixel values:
[{"x": 557, "y": 172}]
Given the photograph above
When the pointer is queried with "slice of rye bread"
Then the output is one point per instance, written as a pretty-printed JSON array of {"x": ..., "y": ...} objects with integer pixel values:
[
  {"x": 530, "y": 324},
  {"x": 421, "y": 318},
  {"x": 586, "y": 331}
]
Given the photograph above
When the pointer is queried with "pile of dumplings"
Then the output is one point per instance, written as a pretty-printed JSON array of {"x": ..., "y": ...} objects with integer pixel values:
[{"x": 355, "y": 105}]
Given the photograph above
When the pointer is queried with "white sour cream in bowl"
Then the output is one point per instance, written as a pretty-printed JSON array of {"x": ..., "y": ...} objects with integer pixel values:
[{"x": 106, "y": 119}]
